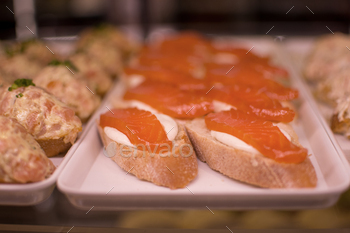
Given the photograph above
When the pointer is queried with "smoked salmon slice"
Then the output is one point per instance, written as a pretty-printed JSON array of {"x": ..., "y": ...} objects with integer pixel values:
[
  {"x": 260, "y": 134},
  {"x": 188, "y": 42},
  {"x": 170, "y": 100},
  {"x": 182, "y": 80},
  {"x": 252, "y": 78},
  {"x": 252, "y": 60},
  {"x": 252, "y": 101},
  {"x": 140, "y": 126},
  {"x": 182, "y": 63}
]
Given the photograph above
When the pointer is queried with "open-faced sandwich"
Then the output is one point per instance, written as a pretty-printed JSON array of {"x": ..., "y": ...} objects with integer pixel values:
[
  {"x": 24, "y": 60},
  {"x": 52, "y": 123},
  {"x": 252, "y": 150},
  {"x": 152, "y": 114},
  {"x": 152, "y": 146},
  {"x": 108, "y": 46},
  {"x": 63, "y": 80},
  {"x": 92, "y": 72}
]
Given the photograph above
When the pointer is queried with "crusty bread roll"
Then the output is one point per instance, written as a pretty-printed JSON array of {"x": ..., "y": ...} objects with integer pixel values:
[
  {"x": 254, "y": 169},
  {"x": 173, "y": 169}
]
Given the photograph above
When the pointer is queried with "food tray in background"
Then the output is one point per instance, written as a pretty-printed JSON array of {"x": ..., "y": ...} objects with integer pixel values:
[
  {"x": 90, "y": 179},
  {"x": 299, "y": 48},
  {"x": 34, "y": 193}
]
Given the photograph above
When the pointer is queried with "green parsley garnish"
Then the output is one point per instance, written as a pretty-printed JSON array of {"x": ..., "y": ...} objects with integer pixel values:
[
  {"x": 21, "y": 83},
  {"x": 25, "y": 44},
  {"x": 19, "y": 95},
  {"x": 10, "y": 52},
  {"x": 19, "y": 48},
  {"x": 67, "y": 63}
]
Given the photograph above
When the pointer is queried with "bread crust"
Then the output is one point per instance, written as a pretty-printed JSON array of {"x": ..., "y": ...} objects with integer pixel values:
[
  {"x": 340, "y": 126},
  {"x": 53, "y": 147},
  {"x": 250, "y": 168},
  {"x": 171, "y": 170}
]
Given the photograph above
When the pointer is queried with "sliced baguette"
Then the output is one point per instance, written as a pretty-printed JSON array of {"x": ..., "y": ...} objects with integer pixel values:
[
  {"x": 250, "y": 168},
  {"x": 171, "y": 170}
]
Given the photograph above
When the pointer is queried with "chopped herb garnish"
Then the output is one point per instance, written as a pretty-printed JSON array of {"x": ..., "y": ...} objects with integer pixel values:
[
  {"x": 19, "y": 95},
  {"x": 10, "y": 51},
  {"x": 26, "y": 44},
  {"x": 67, "y": 63},
  {"x": 55, "y": 63},
  {"x": 21, "y": 83},
  {"x": 18, "y": 48}
]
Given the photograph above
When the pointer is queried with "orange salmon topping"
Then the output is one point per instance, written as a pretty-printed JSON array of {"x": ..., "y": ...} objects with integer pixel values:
[
  {"x": 252, "y": 61},
  {"x": 252, "y": 78},
  {"x": 170, "y": 100},
  {"x": 179, "y": 62},
  {"x": 182, "y": 80},
  {"x": 261, "y": 134},
  {"x": 252, "y": 101},
  {"x": 140, "y": 126}
]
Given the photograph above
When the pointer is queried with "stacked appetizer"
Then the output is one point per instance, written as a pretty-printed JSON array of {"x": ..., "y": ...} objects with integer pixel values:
[
  {"x": 328, "y": 68},
  {"x": 189, "y": 97},
  {"x": 44, "y": 98}
]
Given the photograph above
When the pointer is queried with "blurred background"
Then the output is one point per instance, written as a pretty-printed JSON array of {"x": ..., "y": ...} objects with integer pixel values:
[{"x": 240, "y": 17}]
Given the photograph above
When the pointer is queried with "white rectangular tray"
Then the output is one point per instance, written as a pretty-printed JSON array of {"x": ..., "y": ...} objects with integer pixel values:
[{"x": 90, "y": 179}]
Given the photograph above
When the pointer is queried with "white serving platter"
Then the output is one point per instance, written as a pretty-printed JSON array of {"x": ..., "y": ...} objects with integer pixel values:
[{"x": 91, "y": 180}]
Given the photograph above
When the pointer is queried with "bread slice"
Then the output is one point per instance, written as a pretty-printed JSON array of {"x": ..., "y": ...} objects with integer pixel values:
[
  {"x": 254, "y": 169},
  {"x": 174, "y": 169}
]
